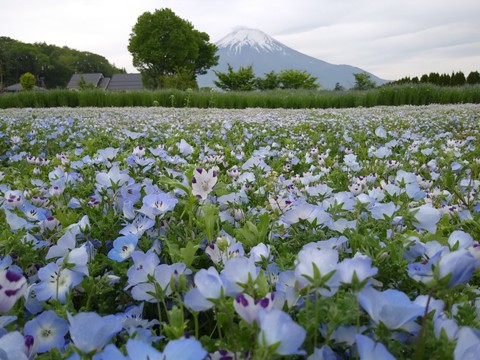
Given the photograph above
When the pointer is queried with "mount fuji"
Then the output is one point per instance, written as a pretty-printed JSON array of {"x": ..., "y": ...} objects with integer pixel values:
[{"x": 245, "y": 47}]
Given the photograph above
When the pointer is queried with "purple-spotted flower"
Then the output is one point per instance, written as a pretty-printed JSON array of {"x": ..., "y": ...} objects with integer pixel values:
[
  {"x": 123, "y": 247},
  {"x": 248, "y": 308},
  {"x": 203, "y": 182},
  {"x": 12, "y": 346},
  {"x": 12, "y": 287}
]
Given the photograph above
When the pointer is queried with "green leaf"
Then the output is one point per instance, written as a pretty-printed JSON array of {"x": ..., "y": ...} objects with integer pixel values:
[{"x": 188, "y": 253}]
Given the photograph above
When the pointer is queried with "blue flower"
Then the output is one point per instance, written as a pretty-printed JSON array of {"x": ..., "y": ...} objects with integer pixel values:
[
  {"x": 278, "y": 328},
  {"x": 184, "y": 349},
  {"x": 391, "y": 307},
  {"x": 56, "y": 282},
  {"x": 468, "y": 344},
  {"x": 370, "y": 350},
  {"x": 90, "y": 331},
  {"x": 209, "y": 286},
  {"x": 459, "y": 265},
  {"x": 48, "y": 330},
  {"x": 123, "y": 247},
  {"x": 157, "y": 204}
]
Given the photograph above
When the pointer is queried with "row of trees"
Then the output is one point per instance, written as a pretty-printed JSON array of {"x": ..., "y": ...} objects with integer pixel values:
[
  {"x": 454, "y": 79},
  {"x": 51, "y": 65},
  {"x": 244, "y": 79}
]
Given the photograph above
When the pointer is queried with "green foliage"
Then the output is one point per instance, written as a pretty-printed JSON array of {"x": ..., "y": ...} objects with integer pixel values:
[
  {"x": 52, "y": 64},
  {"x": 83, "y": 85},
  {"x": 244, "y": 80},
  {"x": 296, "y": 79},
  {"x": 168, "y": 50},
  {"x": 241, "y": 80},
  {"x": 182, "y": 80},
  {"x": 27, "y": 81},
  {"x": 421, "y": 94},
  {"x": 269, "y": 82},
  {"x": 363, "y": 82}
]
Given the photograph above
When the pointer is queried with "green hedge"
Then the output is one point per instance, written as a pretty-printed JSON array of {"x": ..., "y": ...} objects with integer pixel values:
[{"x": 291, "y": 99}]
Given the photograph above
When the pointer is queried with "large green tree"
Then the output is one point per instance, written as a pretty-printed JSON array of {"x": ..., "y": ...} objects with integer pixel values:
[
  {"x": 363, "y": 82},
  {"x": 164, "y": 45},
  {"x": 297, "y": 79},
  {"x": 241, "y": 80}
]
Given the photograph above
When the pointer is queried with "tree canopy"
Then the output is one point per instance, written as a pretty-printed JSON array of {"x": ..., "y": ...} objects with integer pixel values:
[
  {"x": 244, "y": 80},
  {"x": 164, "y": 45},
  {"x": 53, "y": 64}
]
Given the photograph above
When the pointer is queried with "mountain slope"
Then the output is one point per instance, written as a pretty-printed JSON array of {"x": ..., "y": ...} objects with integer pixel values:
[{"x": 244, "y": 47}]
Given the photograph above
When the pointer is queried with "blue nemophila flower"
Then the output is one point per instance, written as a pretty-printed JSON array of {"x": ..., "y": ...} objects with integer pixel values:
[
  {"x": 163, "y": 276},
  {"x": 313, "y": 264},
  {"x": 360, "y": 267},
  {"x": 426, "y": 217},
  {"x": 179, "y": 349},
  {"x": 468, "y": 344},
  {"x": 114, "y": 178},
  {"x": 144, "y": 264},
  {"x": 123, "y": 247},
  {"x": 56, "y": 281},
  {"x": 157, "y": 204},
  {"x": 48, "y": 330},
  {"x": 370, "y": 350},
  {"x": 237, "y": 272},
  {"x": 209, "y": 285},
  {"x": 391, "y": 307},
  {"x": 459, "y": 265},
  {"x": 108, "y": 153},
  {"x": 91, "y": 332},
  {"x": 185, "y": 148},
  {"x": 278, "y": 328},
  {"x": 12, "y": 287}
]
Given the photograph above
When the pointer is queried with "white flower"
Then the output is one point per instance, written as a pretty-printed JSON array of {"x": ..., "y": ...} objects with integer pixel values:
[{"x": 203, "y": 182}]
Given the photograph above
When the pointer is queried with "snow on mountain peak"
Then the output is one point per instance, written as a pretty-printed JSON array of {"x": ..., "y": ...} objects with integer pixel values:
[{"x": 252, "y": 38}]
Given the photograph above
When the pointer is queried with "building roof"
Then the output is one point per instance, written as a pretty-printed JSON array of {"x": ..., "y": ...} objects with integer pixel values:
[
  {"x": 18, "y": 87},
  {"x": 103, "y": 83},
  {"x": 126, "y": 82},
  {"x": 93, "y": 78}
]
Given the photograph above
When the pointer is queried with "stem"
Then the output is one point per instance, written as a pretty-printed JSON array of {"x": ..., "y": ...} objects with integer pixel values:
[
  {"x": 421, "y": 336},
  {"x": 195, "y": 319}
]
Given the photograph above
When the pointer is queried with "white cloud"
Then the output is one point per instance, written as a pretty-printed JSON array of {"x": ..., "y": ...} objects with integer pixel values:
[{"x": 389, "y": 38}]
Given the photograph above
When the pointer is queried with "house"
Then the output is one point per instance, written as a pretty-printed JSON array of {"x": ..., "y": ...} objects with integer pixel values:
[
  {"x": 18, "y": 87},
  {"x": 119, "y": 82},
  {"x": 126, "y": 82}
]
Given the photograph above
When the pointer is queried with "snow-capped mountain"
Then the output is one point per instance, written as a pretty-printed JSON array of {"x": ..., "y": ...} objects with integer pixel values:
[
  {"x": 245, "y": 47},
  {"x": 255, "y": 39}
]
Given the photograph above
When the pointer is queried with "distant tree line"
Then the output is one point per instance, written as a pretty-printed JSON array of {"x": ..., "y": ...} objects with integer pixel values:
[
  {"x": 244, "y": 79},
  {"x": 454, "y": 79},
  {"x": 52, "y": 66}
]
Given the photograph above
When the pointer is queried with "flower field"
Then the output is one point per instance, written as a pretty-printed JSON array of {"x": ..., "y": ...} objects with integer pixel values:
[{"x": 167, "y": 233}]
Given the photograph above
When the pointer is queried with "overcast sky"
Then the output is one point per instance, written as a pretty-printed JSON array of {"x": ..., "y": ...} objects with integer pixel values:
[{"x": 389, "y": 38}]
